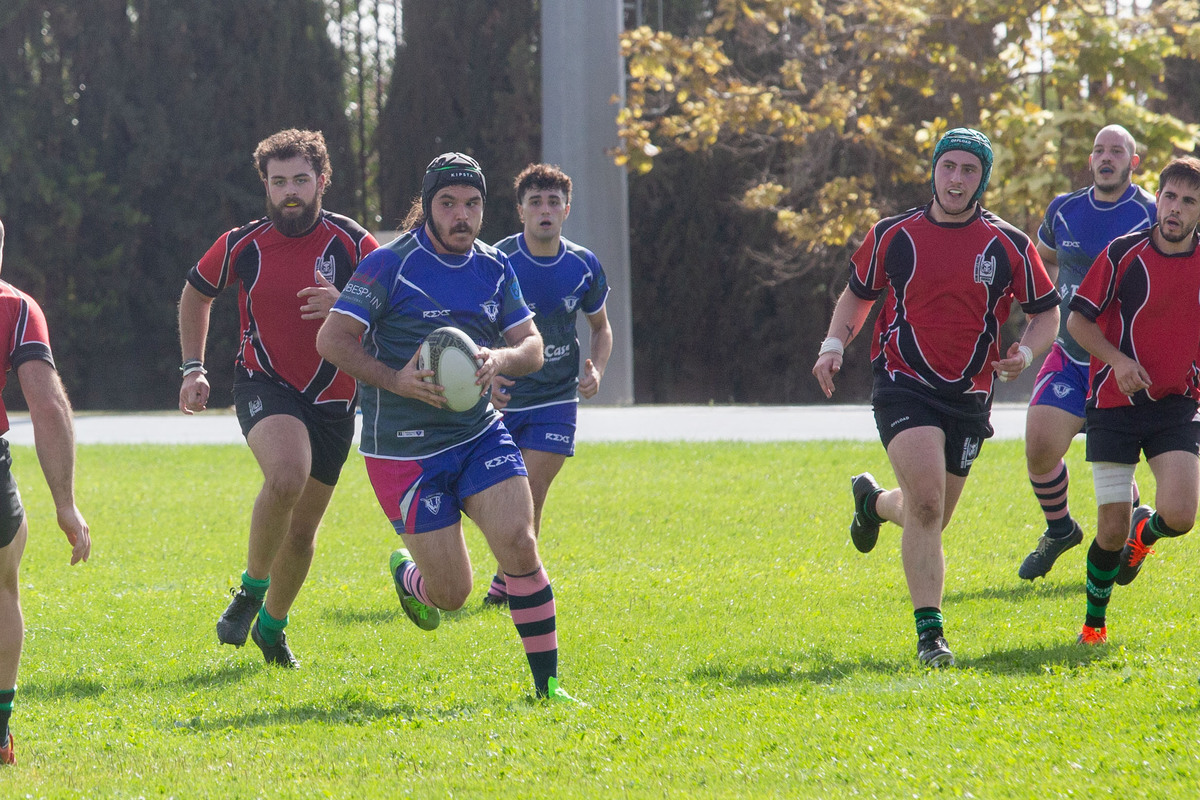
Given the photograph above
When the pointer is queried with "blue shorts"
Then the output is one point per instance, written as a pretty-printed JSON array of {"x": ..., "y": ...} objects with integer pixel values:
[
  {"x": 1062, "y": 383},
  {"x": 426, "y": 494},
  {"x": 547, "y": 428}
]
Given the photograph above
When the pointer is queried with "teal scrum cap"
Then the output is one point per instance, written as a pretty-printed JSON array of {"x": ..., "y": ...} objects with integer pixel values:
[{"x": 974, "y": 143}]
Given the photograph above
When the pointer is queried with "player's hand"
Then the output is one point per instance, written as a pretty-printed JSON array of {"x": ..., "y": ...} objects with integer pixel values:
[
  {"x": 491, "y": 364},
  {"x": 410, "y": 382},
  {"x": 318, "y": 299},
  {"x": 1131, "y": 376},
  {"x": 828, "y": 365},
  {"x": 500, "y": 395},
  {"x": 76, "y": 528},
  {"x": 589, "y": 383},
  {"x": 193, "y": 393},
  {"x": 1012, "y": 365}
]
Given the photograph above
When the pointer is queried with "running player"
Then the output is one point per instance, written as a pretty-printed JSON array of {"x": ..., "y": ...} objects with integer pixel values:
[
  {"x": 27, "y": 353},
  {"x": 558, "y": 278},
  {"x": 428, "y": 464},
  {"x": 295, "y": 409},
  {"x": 948, "y": 273},
  {"x": 1077, "y": 228},
  {"x": 1137, "y": 313}
]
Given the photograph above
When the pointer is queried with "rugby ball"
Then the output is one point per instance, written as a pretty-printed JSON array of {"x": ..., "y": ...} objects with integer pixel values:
[{"x": 450, "y": 353}]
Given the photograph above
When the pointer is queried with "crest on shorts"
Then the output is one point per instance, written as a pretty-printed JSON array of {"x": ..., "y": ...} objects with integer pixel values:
[
  {"x": 1061, "y": 390},
  {"x": 433, "y": 503},
  {"x": 985, "y": 269},
  {"x": 970, "y": 451},
  {"x": 255, "y": 406},
  {"x": 326, "y": 267}
]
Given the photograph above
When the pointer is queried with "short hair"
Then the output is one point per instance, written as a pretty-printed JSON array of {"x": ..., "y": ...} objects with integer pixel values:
[
  {"x": 543, "y": 177},
  {"x": 1185, "y": 169},
  {"x": 309, "y": 145}
]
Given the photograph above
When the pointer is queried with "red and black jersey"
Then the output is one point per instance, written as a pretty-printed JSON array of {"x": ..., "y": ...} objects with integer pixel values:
[
  {"x": 1147, "y": 303},
  {"x": 25, "y": 336},
  {"x": 270, "y": 269},
  {"x": 949, "y": 289}
]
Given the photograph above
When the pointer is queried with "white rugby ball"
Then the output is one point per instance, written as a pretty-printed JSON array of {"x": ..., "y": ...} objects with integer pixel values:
[{"x": 450, "y": 353}]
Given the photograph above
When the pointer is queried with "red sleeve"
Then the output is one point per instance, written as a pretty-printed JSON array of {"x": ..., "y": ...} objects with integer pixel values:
[{"x": 214, "y": 271}]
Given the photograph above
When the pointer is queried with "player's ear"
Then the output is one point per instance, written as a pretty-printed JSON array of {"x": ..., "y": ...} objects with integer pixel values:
[
  {"x": 566, "y": 211},
  {"x": 1133, "y": 162}
]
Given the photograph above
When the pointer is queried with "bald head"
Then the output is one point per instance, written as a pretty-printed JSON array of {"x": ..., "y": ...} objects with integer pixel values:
[{"x": 1113, "y": 160}]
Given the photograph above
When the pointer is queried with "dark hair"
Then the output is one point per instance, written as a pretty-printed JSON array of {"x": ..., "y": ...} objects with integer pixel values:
[
  {"x": 544, "y": 177},
  {"x": 1185, "y": 169},
  {"x": 309, "y": 145}
]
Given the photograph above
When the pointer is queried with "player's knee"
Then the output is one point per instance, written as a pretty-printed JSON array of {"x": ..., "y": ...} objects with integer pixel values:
[
  {"x": 284, "y": 486},
  {"x": 450, "y": 595}
]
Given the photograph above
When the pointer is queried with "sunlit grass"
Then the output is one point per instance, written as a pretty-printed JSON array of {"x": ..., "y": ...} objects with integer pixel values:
[{"x": 727, "y": 638}]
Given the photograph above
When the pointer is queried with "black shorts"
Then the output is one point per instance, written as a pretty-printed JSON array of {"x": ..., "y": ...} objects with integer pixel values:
[
  {"x": 12, "y": 513},
  {"x": 330, "y": 434},
  {"x": 964, "y": 434},
  {"x": 1121, "y": 435}
]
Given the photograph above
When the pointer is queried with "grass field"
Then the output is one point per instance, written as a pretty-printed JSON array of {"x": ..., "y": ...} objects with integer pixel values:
[{"x": 728, "y": 639}]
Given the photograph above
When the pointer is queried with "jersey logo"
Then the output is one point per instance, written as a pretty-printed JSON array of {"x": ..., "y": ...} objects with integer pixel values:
[
  {"x": 326, "y": 267},
  {"x": 432, "y": 504},
  {"x": 570, "y": 302},
  {"x": 985, "y": 269},
  {"x": 492, "y": 309}
]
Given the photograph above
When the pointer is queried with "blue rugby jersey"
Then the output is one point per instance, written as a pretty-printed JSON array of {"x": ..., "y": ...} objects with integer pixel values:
[
  {"x": 555, "y": 289},
  {"x": 1078, "y": 227},
  {"x": 402, "y": 292}
]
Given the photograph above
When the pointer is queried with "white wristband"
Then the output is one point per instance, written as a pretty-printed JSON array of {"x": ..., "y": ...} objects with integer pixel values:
[
  {"x": 832, "y": 344},
  {"x": 1026, "y": 355}
]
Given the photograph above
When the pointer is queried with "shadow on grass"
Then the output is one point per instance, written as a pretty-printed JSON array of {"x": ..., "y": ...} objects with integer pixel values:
[
  {"x": 821, "y": 669},
  {"x": 80, "y": 688},
  {"x": 347, "y": 712},
  {"x": 386, "y": 616},
  {"x": 1018, "y": 592}
]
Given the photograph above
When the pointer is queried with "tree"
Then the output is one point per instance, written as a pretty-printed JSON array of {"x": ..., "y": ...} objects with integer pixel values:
[
  {"x": 835, "y": 108},
  {"x": 466, "y": 78}
]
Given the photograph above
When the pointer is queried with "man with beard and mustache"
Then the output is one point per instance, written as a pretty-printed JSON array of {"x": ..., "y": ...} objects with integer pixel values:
[
  {"x": 1138, "y": 314},
  {"x": 1077, "y": 227},
  {"x": 427, "y": 463},
  {"x": 295, "y": 409},
  {"x": 948, "y": 272}
]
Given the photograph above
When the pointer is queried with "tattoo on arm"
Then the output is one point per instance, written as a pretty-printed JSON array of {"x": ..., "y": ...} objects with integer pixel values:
[{"x": 849, "y": 332}]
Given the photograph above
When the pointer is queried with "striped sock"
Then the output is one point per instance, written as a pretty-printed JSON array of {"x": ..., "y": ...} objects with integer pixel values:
[
  {"x": 6, "y": 704},
  {"x": 928, "y": 618},
  {"x": 255, "y": 586},
  {"x": 1153, "y": 529},
  {"x": 1051, "y": 491},
  {"x": 269, "y": 628},
  {"x": 414, "y": 582},
  {"x": 498, "y": 589},
  {"x": 1101, "y": 574},
  {"x": 531, "y": 602}
]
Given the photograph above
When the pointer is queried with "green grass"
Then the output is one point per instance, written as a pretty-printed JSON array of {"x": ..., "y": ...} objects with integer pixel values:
[{"x": 728, "y": 639}]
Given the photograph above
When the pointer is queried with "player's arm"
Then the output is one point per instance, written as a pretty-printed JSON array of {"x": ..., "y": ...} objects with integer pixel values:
[
  {"x": 523, "y": 355},
  {"x": 1050, "y": 259},
  {"x": 1039, "y": 334},
  {"x": 340, "y": 343},
  {"x": 849, "y": 315},
  {"x": 194, "y": 311},
  {"x": 1131, "y": 376},
  {"x": 54, "y": 439},
  {"x": 600, "y": 350}
]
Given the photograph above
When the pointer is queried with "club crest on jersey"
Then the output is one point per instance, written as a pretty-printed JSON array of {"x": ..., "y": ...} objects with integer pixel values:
[
  {"x": 985, "y": 269},
  {"x": 570, "y": 302},
  {"x": 326, "y": 267},
  {"x": 432, "y": 504},
  {"x": 492, "y": 309}
]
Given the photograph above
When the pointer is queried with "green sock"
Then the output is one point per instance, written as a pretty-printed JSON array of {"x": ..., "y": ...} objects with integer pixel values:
[
  {"x": 6, "y": 704},
  {"x": 928, "y": 618},
  {"x": 269, "y": 627},
  {"x": 255, "y": 586}
]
